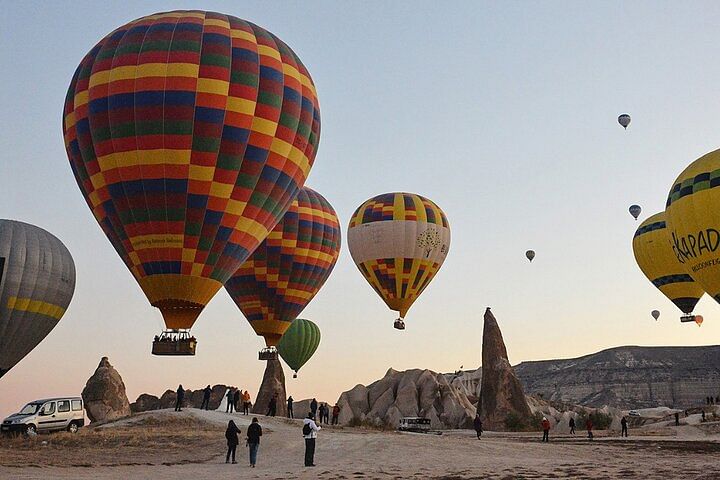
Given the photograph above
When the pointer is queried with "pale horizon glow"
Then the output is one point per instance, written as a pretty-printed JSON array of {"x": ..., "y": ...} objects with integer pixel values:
[{"x": 502, "y": 113}]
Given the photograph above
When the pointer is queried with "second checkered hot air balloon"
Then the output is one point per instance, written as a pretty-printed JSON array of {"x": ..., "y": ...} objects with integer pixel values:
[{"x": 189, "y": 133}]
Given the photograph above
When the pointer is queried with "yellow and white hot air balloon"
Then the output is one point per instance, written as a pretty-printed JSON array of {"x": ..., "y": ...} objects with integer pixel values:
[{"x": 399, "y": 241}]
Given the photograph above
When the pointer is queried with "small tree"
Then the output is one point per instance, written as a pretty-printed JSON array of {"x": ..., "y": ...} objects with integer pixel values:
[{"x": 428, "y": 240}]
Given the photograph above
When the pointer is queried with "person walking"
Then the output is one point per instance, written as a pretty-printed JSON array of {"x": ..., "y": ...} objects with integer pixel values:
[
  {"x": 180, "y": 396},
  {"x": 231, "y": 434},
  {"x": 589, "y": 426},
  {"x": 206, "y": 398},
  {"x": 477, "y": 423},
  {"x": 236, "y": 400},
  {"x": 254, "y": 432},
  {"x": 230, "y": 399},
  {"x": 313, "y": 407},
  {"x": 546, "y": 429},
  {"x": 289, "y": 407},
  {"x": 246, "y": 403},
  {"x": 310, "y": 431},
  {"x": 336, "y": 414},
  {"x": 623, "y": 427},
  {"x": 272, "y": 406},
  {"x": 571, "y": 424}
]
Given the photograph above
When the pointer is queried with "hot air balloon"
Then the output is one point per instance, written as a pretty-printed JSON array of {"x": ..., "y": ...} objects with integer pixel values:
[
  {"x": 698, "y": 319},
  {"x": 530, "y": 254},
  {"x": 288, "y": 269},
  {"x": 624, "y": 120},
  {"x": 399, "y": 241},
  {"x": 655, "y": 257},
  {"x": 635, "y": 211},
  {"x": 299, "y": 343},
  {"x": 655, "y": 314},
  {"x": 37, "y": 282},
  {"x": 190, "y": 134}
]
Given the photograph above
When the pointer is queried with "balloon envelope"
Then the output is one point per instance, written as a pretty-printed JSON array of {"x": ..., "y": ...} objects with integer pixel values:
[
  {"x": 37, "y": 282},
  {"x": 530, "y": 254},
  {"x": 655, "y": 314},
  {"x": 189, "y": 134},
  {"x": 654, "y": 255},
  {"x": 299, "y": 343},
  {"x": 288, "y": 269},
  {"x": 698, "y": 320},
  {"x": 399, "y": 241},
  {"x": 624, "y": 120},
  {"x": 635, "y": 211}
]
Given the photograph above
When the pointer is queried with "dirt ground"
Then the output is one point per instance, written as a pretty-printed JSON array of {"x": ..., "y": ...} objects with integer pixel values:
[{"x": 191, "y": 444}]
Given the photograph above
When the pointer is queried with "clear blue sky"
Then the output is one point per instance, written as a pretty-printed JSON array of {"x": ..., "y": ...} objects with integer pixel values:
[{"x": 503, "y": 113}]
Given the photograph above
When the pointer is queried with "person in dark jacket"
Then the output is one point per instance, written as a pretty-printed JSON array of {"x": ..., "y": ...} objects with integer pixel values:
[
  {"x": 321, "y": 412},
  {"x": 290, "y": 405},
  {"x": 254, "y": 432},
  {"x": 677, "y": 419},
  {"x": 230, "y": 397},
  {"x": 477, "y": 423},
  {"x": 272, "y": 406},
  {"x": 231, "y": 434},
  {"x": 336, "y": 414},
  {"x": 236, "y": 399},
  {"x": 571, "y": 424},
  {"x": 313, "y": 407},
  {"x": 206, "y": 398},
  {"x": 180, "y": 396},
  {"x": 623, "y": 427}
]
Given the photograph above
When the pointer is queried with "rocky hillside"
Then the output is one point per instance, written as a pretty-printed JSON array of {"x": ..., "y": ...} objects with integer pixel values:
[{"x": 628, "y": 377}]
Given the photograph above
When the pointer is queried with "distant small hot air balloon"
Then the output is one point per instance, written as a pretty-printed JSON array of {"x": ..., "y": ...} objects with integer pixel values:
[
  {"x": 299, "y": 343},
  {"x": 698, "y": 320},
  {"x": 655, "y": 314},
  {"x": 530, "y": 254},
  {"x": 624, "y": 120},
  {"x": 635, "y": 211}
]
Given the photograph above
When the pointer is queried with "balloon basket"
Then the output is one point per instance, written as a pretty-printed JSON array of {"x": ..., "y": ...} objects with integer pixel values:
[
  {"x": 269, "y": 353},
  {"x": 399, "y": 324},
  {"x": 174, "y": 342},
  {"x": 294, "y": 375},
  {"x": 687, "y": 318}
]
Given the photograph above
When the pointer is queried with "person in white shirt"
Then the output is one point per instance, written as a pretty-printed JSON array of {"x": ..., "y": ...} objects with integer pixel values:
[{"x": 310, "y": 429}]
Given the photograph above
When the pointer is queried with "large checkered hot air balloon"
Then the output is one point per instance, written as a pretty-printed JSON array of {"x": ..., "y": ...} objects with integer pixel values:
[
  {"x": 288, "y": 269},
  {"x": 189, "y": 134},
  {"x": 399, "y": 241}
]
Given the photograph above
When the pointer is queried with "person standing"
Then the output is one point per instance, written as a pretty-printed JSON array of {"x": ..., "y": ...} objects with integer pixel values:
[
  {"x": 206, "y": 398},
  {"x": 477, "y": 423},
  {"x": 246, "y": 403},
  {"x": 336, "y": 414},
  {"x": 272, "y": 406},
  {"x": 254, "y": 432},
  {"x": 231, "y": 434},
  {"x": 623, "y": 427},
  {"x": 703, "y": 415},
  {"x": 180, "y": 396},
  {"x": 310, "y": 431},
  {"x": 321, "y": 412},
  {"x": 236, "y": 400},
  {"x": 677, "y": 419},
  {"x": 546, "y": 429},
  {"x": 589, "y": 426},
  {"x": 571, "y": 424},
  {"x": 313, "y": 407},
  {"x": 229, "y": 396},
  {"x": 290, "y": 407}
]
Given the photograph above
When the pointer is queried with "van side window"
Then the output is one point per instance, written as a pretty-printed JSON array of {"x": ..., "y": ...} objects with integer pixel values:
[
  {"x": 63, "y": 406},
  {"x": 76, "y": 405},
  {"x": 48, "y": 408}
]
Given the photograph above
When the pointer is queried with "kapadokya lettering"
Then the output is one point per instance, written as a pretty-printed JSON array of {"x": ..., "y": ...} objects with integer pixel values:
[{"x": 692, "y": 246}]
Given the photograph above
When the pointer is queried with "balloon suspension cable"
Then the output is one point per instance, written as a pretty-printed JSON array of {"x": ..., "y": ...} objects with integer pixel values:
[{"x": 399, "y": 324}]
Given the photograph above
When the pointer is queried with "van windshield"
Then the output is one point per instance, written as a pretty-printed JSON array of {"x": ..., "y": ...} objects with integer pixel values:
[{"x": 30, "y": 409}]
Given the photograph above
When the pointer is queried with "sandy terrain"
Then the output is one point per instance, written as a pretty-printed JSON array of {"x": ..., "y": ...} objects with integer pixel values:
[{"x": 191, "y": 444}]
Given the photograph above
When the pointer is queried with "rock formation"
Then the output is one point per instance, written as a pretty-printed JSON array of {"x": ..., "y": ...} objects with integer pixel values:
[
  {"x": 104, "y": 394},
  {"x": 501, "y": 393},
  {"x": 410, "y": 393},
  {"x": 144, "y": 403},
  {"x": 273, "y": 384},
  {"x": 193, "y": 398}
]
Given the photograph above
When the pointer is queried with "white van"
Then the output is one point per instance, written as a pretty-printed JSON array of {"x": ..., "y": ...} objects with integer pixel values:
[
  {"x": 48, "y": 415},
  {"x": 414, "y": 424}
]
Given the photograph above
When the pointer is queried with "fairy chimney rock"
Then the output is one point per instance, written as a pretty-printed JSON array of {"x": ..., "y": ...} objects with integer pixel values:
[{"x": 104, "y": 394}]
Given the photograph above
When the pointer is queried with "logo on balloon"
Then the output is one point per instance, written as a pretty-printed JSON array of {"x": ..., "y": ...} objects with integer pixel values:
[
  {"x": 428, "y": 240},
  {"x": 692, "y": 246}
]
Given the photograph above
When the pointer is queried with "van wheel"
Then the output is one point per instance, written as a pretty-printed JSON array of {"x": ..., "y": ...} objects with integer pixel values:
[
  {"x": 30, "y": 429},
  {"x": 73, "y": 427}
]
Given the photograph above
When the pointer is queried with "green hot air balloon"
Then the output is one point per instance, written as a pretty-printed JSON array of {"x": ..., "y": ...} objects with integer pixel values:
[{"x": 299, "y": 343}]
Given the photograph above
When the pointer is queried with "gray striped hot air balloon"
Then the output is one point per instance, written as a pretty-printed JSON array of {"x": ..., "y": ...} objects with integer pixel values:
[{"x": 37, "y": 281}]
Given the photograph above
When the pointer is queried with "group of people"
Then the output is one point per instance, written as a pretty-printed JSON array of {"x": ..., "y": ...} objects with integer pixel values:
[
  {"x": 712, "y": 400},
  {"x": 252, "y": 440},
  {"x": 236, "y": 399},
  {"x": 323, "y": 410}
]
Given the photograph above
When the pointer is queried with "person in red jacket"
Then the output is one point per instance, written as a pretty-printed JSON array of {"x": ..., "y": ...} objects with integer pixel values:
[
  {"x": 588, "y": 426},
  {"x": 546, "y": 429}
]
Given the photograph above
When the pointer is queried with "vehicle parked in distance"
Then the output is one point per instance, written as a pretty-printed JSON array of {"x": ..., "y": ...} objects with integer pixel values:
[
  {"x": 414, "y": 424},
  {"x": 47, "y": 415},
  {"x": 633, "y": 413}
]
